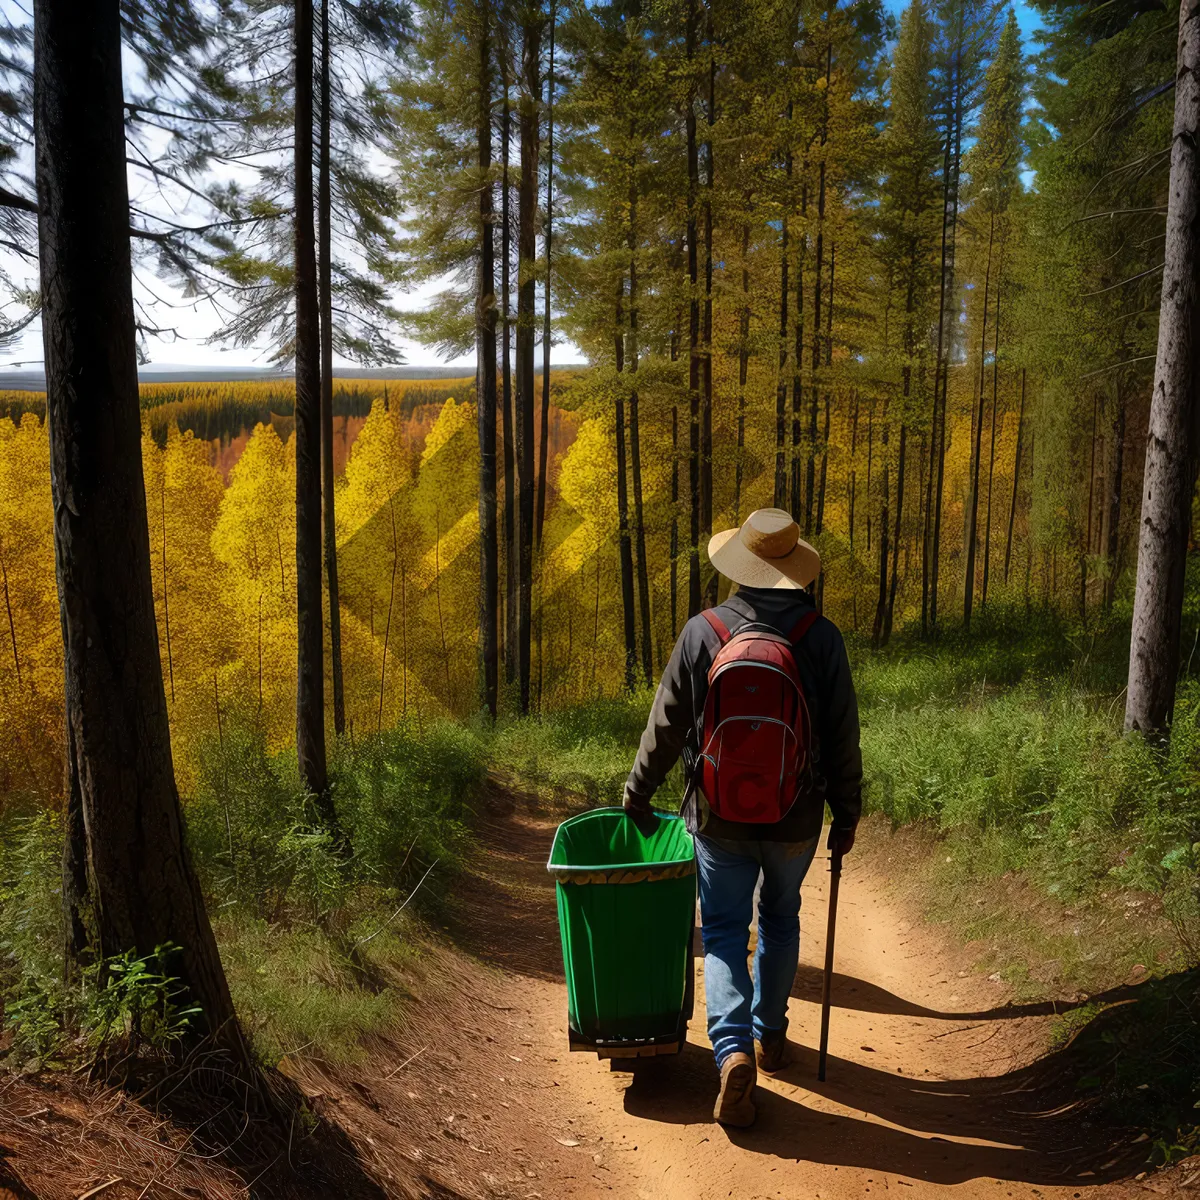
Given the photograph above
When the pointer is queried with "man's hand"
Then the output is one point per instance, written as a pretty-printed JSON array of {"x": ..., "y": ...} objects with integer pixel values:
[
  {"x": 841, "y": 841},
  {"x": 643, "y": 816}
]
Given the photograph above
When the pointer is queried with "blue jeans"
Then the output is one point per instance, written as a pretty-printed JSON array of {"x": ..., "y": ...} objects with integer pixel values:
[{"x": 740, "y": 1010}]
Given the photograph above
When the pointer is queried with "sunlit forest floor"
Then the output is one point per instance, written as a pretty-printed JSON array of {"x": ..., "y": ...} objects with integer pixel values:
[{"x": 1006, "y": 807}]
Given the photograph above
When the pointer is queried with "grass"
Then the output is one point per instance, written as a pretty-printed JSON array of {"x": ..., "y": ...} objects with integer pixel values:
[
  {"x": 1069, "y": 853},
  {"x": 314, "y": 940}
]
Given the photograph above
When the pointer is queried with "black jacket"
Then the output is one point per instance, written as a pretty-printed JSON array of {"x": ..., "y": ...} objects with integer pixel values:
[{"x": 678, "y": 712}]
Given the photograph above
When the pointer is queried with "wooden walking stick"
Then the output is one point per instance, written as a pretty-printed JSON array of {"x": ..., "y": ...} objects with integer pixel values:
[{"x": 835, "y": 879}]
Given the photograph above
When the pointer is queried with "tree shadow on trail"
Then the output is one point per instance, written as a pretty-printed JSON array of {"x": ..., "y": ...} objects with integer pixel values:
[
  {"x": 1013, "y": 1127},
  {"x": 860, "y": 995}
]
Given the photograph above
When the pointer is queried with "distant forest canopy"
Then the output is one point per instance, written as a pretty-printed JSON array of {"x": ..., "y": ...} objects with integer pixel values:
[{"x": 899, "y": 277}]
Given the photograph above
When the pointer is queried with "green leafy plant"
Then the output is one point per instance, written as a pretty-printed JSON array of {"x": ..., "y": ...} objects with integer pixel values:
[{"x": 133, "y": 999}]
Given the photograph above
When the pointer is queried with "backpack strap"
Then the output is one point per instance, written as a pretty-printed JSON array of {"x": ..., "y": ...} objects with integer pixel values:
[
  {"x": 719, "y": 626},
  {"x": 802, "y": 627}
]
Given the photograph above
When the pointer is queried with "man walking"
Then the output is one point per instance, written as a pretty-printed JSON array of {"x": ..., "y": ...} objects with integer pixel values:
[{"x": 758, "y": 700}]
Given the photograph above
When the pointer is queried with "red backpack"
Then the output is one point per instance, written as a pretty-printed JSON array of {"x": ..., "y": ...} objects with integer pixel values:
[{"x": 756, "y": 737}]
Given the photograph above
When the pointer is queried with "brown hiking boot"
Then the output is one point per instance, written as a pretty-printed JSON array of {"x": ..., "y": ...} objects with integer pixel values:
[
  {"x": 735, "y": 1104},
  {"x": 773, "y": 1053}
]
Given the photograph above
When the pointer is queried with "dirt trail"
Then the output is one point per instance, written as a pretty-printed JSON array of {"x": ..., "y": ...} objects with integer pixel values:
[{"x": 928, "y": 1091}]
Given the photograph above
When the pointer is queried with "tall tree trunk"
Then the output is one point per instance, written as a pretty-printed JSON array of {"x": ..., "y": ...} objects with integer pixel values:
[
  {"x": 987, "y": 521},
  {"x": 1012, "y": 508},
  {"x": 706, "y": 442},
  {"x": 635, "y": 441},
  {"x": 626, "y": 550},
  {"x": 310, "y": 672},
  {"x": 881, "y": 602},
  {"x": 485, "y": 379},
  {"x": 951, "y": 171},
  {"x": 891, "y": 602},
  {"x": 853, "y": 483},
  {"x": 128, "y": 883},
  {"x": 780, "y": 499},
  {"x": 694, "y": 442},
  {"x": 1174, "y": 443},
  {"x": 927, "y": 524},
  {"x": 810, "y": 479},
  {"x": 870, "y": 454},
  {"x": 1112, "y": 552},
  {"x": 674, "y": 548},
  {"x": 325, "y": 273},
  {"x": 977, "y": 445},
  {"x": 526, "y": 301},
  {"x": 544, "y": 445},
  {"x": 797, "y": 471},
  {"x": 743, "y": 368},
  {"x": 1086, "y": 548},
  {"x": 512, "y": 584},
  {"x": 820, "y": 525}
]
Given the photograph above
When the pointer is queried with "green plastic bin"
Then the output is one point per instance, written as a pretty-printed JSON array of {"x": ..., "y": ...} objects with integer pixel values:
[{"x": 626, "y": 909}]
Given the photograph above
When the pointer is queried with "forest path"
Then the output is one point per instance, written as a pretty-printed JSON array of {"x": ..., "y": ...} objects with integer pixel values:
[{"x": 929, "y": 1090}]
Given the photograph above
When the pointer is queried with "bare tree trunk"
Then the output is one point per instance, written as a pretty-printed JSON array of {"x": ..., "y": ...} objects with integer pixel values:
[
  {"x": 1012, "y": 508},
  {"x": 623, "y": 499},
  {"x": 1114, "y": 512},
  {"x": 526, "y": 300},
  {"x": 797, "y": 470},
  {"x": 743, "y": 369},
  {"x": 1173, "y": 442},
  {"x": 820, "y": 525},
  {"x": 325, "y": 283},
  {"x": 512, "y": 586},
  {"x": 706, "y": 442},
  {"x": 694, "y": 441},
  {"x": 977, "y": 447},
  {"x": 544, "y": 446},
  {"x": 870, "y": 454},
  {"x": 128, "y": 883},
  {"x": 635, "y": 441},
  {"x": 674, "y": 551},
  {"x": 987, "y": 522},
  {"x": 853, "y": 470},
  {"x": 810, "y": 480},
  {"x": 485, "y": 380},
  {"x": 310, "y": 672},
  {"x": 891, "y": 601},
  {"x": 781, "y": 473},
  {"x": 951, "y": 171},
  {"x": 881, "y": 602}
]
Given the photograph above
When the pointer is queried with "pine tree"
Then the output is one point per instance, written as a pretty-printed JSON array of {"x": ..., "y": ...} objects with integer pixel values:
[
  {"x": 128, "y": 883},
  {"x": 994, "y": 163},
  {"x": 909, "y": 228}
]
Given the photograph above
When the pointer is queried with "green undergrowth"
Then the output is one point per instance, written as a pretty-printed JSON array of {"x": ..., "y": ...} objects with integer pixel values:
[
  {"x": 1066, "y": 851},
  {"x": 315, "y": 929}
]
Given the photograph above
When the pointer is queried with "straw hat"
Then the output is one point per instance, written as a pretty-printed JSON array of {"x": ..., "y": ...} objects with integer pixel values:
[{"x": 766, "y": 552}]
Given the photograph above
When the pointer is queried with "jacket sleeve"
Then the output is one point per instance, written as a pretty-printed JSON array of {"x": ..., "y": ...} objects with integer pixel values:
[
  {"x": 841, "y": 753},
  {"x": 667, "y": 729}
]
